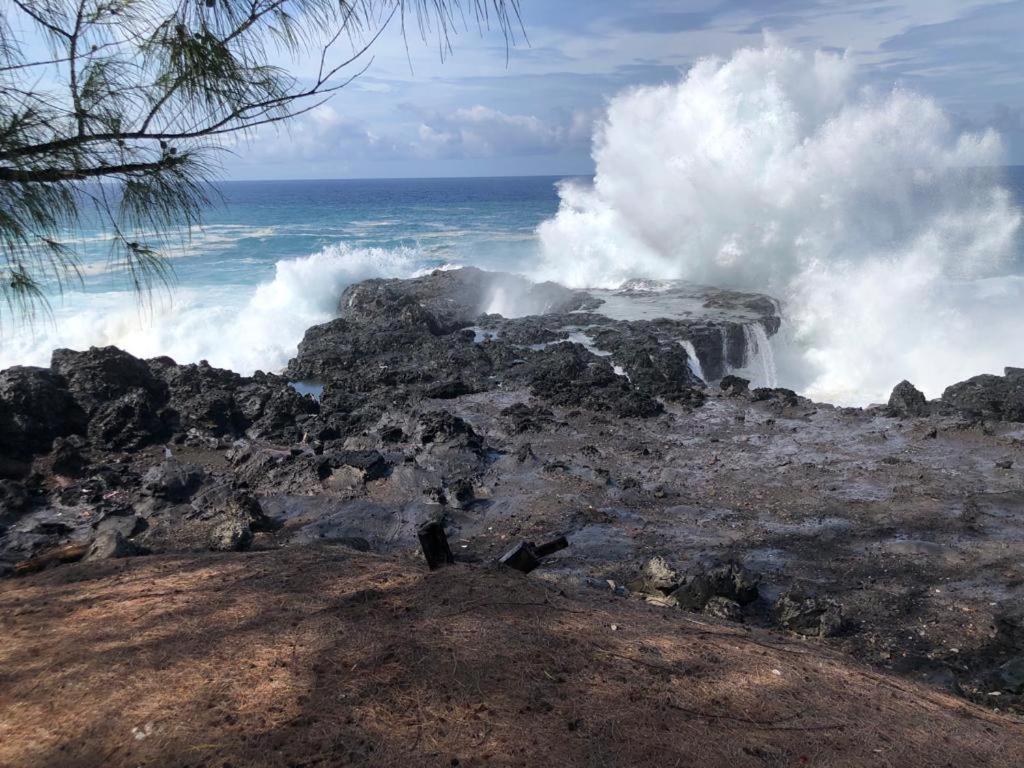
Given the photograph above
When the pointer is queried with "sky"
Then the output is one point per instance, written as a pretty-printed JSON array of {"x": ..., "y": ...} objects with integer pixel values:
[
  {"x": 486, "y": 110},
  {"x": 490, "y": 110}
]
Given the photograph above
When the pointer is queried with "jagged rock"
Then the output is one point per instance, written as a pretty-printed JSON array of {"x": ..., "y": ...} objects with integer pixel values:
[
  {"x": 232, "y": 534},
  {"x": 101, "y": 375},
  {"x": 907, "y": 400},
  {"x": 172, "y": 480},
  {"x": 988, "y": 397},
  {"x": 283, "y": 414},
  {"x": 351, "y": 469},
  {"x": 227, "y": 500},
  {"x": 729, "y": 580},
  {"x": 658, "y": 576},
  {"x": 1009, "y": 677},
  {"x": 654, "y": 363},
  {"x": 808, "y": 615},
  {"x": 521, "y": 418},
  {"x": 126, "y": 523},
  {"x": 446, "y": 427},
  {"x": 1009, "y": 623},
  {"x": 67, "y": 456},
  {"x": 460, "y": 493},
  {"x": 35, "y": 408},
  {"x": 127, "y": 422},
  {"x": 723, "y": 608},
  {"x": 734, "y": 386},
  {"x": 202, "y": 397},
  {"x": 779, "y": 395},
  {"x": 569, "y": 375},
  {"x": 108, "y": 544}
]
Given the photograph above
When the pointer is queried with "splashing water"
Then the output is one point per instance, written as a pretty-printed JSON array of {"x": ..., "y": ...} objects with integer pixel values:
[
  {"x": 759, "y": 357},
  {"x": 891, "y": 245},
  {"x": 692, "y": 360},
  {"x": 231, "y": 329}
]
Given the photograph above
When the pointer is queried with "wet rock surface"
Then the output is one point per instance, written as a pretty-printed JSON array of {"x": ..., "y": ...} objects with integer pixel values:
[{"x": 713, "y": 495}]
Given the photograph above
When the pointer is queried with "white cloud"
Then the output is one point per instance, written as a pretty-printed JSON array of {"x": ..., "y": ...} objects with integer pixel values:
[{"x": 480, "y": 131}]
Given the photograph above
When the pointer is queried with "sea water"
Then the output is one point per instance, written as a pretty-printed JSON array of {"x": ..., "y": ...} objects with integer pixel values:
[
  {"x": 272, "y": 259},
  {"x": 891, "y": 237}
]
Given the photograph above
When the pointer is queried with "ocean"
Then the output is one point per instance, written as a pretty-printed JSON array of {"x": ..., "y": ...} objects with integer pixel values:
[{"x": 273, "y": 257}]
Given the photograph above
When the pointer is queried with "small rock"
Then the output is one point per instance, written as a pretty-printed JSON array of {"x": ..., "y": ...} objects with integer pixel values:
[
  {"x": 723, "y": 608},
  {"x": 734, "y": 386},
  {"x": 110, "y": 544},
  {"x": 658, "y": 576},
  {"x": 232, "y": 534},
  {"x": 1004, "y": 464},
  {"x": 808, "y": 615}
]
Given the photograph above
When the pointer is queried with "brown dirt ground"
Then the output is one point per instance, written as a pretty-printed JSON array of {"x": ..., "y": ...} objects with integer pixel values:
[{"x": 319, "y": 656}]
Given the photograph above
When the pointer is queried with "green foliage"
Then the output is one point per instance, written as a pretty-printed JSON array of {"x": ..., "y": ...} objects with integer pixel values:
[{"x": 124, "y": 115}]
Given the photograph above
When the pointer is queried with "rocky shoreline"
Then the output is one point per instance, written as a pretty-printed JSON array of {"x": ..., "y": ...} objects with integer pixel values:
[{"x": 893, "y": 533}]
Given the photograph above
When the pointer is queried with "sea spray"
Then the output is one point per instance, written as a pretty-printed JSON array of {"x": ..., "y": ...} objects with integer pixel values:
[
  {"x": 692, "y": 360},
  {"x": 867, "y": 213},
  {"x": 759, "y": 358},
  {"x": 232, "y": 327}
]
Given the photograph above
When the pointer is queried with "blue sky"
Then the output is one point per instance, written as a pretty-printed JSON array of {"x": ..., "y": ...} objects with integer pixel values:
[
  {"x": 481, "y": 112},
  {"x": 478, "y": 114}
]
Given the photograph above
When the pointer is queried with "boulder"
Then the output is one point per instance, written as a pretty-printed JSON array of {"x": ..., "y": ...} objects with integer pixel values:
[
  {"x": 109, "y": 544},
  {"x": 128, "y": 422},
  {"x": 68, "y": 457},
  {"x": 104, "y": 374},
  {"x": 808, "y": 615},
  {"x": 231, "y": 534},
  {"x": 907, "y": 400},
  {"x": 202, "y": 397},
  {"x": 172, "y": 480},
  {"x": 35, "y": 408},
  {"x": 729, "y": 580},
  {"x": 734, "y": 386},
  {"x": 988, "y": 397},
  {"x": 779, "y": 395},
  {"x": 658, "y": 576},
  {"x": 1009, "y": 677},
  {"x": 723, "y": 608}
]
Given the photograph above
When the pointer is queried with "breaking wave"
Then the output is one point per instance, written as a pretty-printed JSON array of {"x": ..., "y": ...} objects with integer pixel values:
[
  {"x": 883, "y": 229},
  {"x": 232, "y": 326}
]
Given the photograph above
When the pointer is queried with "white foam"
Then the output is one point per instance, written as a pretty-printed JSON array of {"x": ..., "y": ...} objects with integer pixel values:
[
  {"x": 776, "y": 171},
  {"x": 759, "y": 359},
  {"x": 692, "y": 360},
  {"x": 237, "y": 327}
]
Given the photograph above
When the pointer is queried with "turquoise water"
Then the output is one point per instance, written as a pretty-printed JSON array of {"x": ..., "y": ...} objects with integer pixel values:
[
  {"x": 489, "y": 222},
  {"x": 272, "y": 258}
]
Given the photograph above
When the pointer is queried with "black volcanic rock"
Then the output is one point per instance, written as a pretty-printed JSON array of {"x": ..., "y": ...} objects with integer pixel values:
[
  {"x": 988, "y": 396},
  {"x": 35, "y": 408},
  {"x": 447, "y": 300},
  {"x": 202, "y": 397},
  {"x": 569, "y": 375},
  {"x": 122, "y": 398},
  {"x": 102, "y": 374},
  {"x": 907, "y": 400}
]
